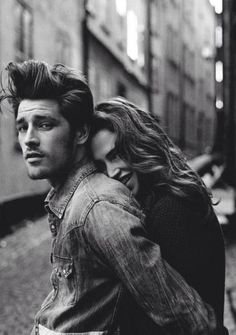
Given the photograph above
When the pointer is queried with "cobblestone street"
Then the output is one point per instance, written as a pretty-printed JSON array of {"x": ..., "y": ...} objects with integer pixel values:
[{"x": 25, "y": 270}]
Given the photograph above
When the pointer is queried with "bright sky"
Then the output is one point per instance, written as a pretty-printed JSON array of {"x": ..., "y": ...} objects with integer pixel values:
[{"x": 218, "y": 5}]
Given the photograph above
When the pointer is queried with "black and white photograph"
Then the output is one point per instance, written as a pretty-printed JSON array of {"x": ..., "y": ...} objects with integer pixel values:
[{"x": 117, "y": 167}]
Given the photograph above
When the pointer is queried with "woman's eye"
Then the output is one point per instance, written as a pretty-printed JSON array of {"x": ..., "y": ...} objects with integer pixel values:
[{"x": 113, "y": 154}]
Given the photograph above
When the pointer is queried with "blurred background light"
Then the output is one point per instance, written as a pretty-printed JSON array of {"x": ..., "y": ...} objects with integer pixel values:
[
  {"x": 219, "y": 71},
  {"x": 219, "y": 104},
  {"x": 218, "y": 4},
  {"x": 132, "y": 35},
  {"x": 219, "y": 36},
  {"x": 121, "y": 6}
]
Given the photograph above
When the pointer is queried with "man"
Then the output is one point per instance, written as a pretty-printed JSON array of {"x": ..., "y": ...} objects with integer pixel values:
[{"x": 104, "y": 268}]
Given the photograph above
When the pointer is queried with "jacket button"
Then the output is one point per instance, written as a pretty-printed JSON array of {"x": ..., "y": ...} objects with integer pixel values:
[{"x": 53, "y": 229}]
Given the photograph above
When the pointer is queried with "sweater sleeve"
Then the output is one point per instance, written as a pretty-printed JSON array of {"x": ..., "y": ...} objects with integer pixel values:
[
  {"x": 179, "y": 230},
  {"x": 192, "y": 243}
]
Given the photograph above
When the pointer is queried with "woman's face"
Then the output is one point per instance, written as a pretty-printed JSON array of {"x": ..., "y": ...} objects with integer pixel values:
[{"x": 106, "y": 156}]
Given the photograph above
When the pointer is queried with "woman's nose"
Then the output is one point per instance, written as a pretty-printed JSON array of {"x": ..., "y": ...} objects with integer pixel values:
[{"x": 113, "y": 171}]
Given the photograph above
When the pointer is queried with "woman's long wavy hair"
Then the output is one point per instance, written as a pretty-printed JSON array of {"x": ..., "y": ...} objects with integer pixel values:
[{"x": 144, "y": 145}]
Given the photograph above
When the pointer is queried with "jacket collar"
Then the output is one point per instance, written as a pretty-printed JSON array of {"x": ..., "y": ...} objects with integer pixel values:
[{"x": 58, "y": 198}]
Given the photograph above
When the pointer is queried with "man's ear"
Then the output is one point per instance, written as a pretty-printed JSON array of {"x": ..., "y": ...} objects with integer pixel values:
[{"x": 82, "y": 135}]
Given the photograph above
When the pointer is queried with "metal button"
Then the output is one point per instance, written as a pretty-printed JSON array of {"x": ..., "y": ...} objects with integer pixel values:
[{"x": 53, "y": 228}]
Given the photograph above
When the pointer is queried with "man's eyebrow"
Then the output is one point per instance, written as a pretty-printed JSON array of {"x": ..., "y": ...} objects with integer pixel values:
[
  {"x": 38, "y": 118},
  {"x": 45, "y": 117},
  {"x": 20, "y": 120}
]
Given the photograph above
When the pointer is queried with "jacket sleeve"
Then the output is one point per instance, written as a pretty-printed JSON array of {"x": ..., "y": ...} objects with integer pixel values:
[{"x": 119, "y": 237}]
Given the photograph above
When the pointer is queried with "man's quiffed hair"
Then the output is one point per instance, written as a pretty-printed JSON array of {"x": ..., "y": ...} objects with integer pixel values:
[{"x": 37, "y": 80}]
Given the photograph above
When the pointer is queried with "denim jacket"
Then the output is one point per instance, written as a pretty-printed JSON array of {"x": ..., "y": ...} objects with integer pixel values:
[{"x": 104, "y": 267}]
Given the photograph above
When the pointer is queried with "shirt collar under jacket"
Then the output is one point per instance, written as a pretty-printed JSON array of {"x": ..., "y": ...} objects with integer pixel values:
[{"x": 58, "y": 199}]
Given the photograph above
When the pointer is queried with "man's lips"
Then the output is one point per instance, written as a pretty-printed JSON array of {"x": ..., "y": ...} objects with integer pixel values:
[{"x": 33, "y": 155}]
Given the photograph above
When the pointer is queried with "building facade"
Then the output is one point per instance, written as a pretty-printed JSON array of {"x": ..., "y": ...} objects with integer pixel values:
[
  {"x": 118, "y": 49},
  {"x": 186, "y": 87},
  {"x": 151, "y": 52},
  {"x": 156, "y": 53}
]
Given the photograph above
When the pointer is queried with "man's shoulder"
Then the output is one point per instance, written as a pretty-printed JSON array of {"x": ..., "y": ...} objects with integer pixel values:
[
  {"x": 114, "y": 213},
  {"x": 97, "y": 188}
]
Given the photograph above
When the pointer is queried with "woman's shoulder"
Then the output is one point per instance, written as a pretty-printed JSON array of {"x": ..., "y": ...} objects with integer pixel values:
[
  {"x": 167, "y": 199},
  {"x": 167, "y": 205}
]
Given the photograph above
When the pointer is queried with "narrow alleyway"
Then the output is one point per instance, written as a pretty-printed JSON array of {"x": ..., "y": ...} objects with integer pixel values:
[{"x": 25, "y": 270}]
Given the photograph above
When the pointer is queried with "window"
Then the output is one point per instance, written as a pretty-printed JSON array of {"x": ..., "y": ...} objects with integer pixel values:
[
  {"x": 121, "y": 26},
  {"x": 188, "y": 11},
  {"x": 200, "y": 125},
  {"x": 121, "y": 7},
  {"x": 219, "y": 71},
  {"x": 156, "y": 17},
  {"x": 105, "y": 15},
  {"x": 92, "y": 7},
  {"x": 190, "y": 125},
  {"x": 208, "y": 129},
  {"x": 173, "y": 118},
  {"x": 63, "y": 48},
  {"x": 219, "y": 36},
  {"x": 155, "y": 75},
  {"x": 99, "y": 82},
  {"x": 104, "y": 85},
  {"x": 132, "y": 35},
  {"x": 121, "y": 90},
  {"x": 188, "y": 61},
  {"x": 136, "y": 33},
  {"x": 172, "y": 45},
  {"x": 23, "y": 31}
]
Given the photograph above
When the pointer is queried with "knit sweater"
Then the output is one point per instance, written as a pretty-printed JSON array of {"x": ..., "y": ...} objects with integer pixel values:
[{"x": 192, "y": 243}]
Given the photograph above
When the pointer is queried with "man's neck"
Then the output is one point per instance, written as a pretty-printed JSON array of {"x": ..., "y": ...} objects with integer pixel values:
[{"x": 80, "y": 159}]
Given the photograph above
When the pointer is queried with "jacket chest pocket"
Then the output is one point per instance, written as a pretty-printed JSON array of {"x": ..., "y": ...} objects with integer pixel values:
[{"x": 64, "y": 280}]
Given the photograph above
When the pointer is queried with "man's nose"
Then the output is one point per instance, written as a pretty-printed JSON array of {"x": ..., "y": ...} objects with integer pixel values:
[
  {"x": 113, "y": 171},
  {"x": 31, "y": 137}
]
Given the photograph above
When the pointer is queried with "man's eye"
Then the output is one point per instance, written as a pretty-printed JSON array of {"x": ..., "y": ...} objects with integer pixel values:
[
  {"x": 21, "y": 129},
  {"x": 45, "y": 126}
]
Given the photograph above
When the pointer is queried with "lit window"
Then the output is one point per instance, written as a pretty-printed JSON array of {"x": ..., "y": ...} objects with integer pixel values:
[
  {"x": 219, "y": 104},
  {"x": 219, "y": 36},
  {"x": 219, "y": 71},
  {"x": 132, "y": 35},
  {"x": 218, "y": 5}
]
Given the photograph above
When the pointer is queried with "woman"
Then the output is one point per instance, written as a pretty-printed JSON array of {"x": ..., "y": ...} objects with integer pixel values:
[{"x": 129, "y": 145}]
